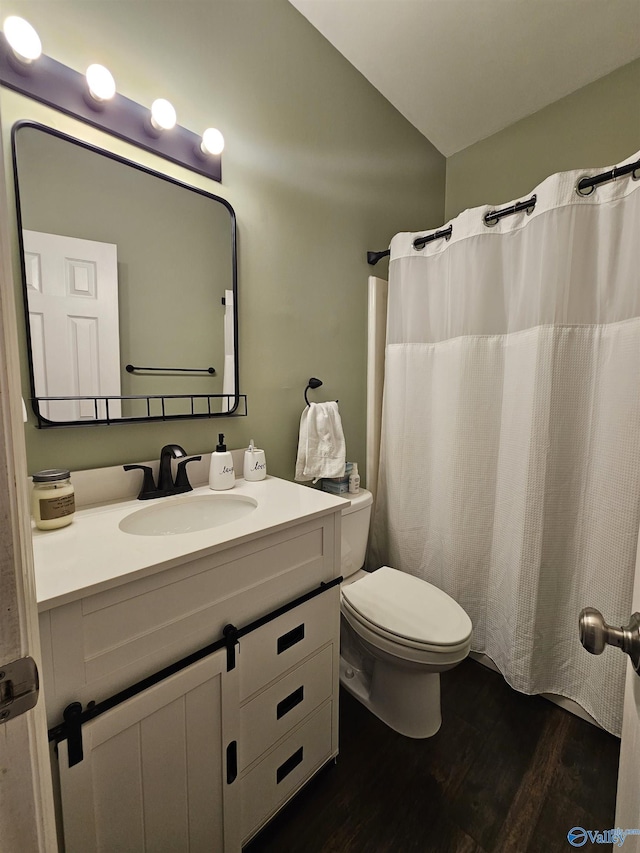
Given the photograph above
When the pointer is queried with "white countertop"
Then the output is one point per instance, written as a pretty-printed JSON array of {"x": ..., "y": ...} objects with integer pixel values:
[{"x": 92, "y": 554}]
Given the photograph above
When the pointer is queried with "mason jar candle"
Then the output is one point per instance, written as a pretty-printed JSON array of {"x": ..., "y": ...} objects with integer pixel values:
[{"x": 53, "y": 501}]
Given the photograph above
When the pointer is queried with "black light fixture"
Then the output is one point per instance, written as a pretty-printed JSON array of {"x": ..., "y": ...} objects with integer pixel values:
[{"x": 94, "y": 100}]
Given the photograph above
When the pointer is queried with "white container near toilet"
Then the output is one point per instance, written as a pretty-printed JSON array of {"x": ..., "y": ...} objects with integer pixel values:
[{"x": 398, "y": 633}]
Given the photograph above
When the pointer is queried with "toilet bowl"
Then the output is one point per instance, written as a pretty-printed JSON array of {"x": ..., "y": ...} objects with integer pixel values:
[{"x": 398, "y": 633}]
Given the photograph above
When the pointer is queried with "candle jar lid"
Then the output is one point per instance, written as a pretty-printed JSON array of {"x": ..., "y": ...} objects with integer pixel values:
[{"x": 51, "y": 475}]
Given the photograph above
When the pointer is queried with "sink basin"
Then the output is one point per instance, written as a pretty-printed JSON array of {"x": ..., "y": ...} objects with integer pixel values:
[{"x": 187, "y": 515}]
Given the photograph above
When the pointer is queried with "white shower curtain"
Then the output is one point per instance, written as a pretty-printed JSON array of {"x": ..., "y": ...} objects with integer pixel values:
[{"x": 510, "y": 450}]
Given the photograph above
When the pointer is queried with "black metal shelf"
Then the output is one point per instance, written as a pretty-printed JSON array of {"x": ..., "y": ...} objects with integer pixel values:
[{"x": 155, "y": 411}]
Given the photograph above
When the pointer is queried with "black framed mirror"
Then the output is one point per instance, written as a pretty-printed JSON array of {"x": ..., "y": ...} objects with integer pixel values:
[{"x": 130, "y": 287}]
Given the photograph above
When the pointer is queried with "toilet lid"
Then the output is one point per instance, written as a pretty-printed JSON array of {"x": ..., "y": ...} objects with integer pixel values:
[{"x": 408, "y": 607}]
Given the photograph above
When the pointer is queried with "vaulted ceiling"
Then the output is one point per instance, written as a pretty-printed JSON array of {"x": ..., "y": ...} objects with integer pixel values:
[{"x": 461, "y": 70}]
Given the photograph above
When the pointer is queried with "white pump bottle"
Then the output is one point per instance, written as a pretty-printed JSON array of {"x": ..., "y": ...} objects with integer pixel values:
[{"x": 221, "y": 473}]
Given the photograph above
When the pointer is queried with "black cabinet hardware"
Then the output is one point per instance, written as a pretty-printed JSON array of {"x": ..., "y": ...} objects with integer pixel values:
[
  {"x": 289, "y": 765},
  {"x": 289, "y": 702},
  {"x": 290, "y": 638}
]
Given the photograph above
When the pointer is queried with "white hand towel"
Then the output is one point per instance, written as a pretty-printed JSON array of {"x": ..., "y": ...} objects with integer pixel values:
[{"x": 321, "y": 444}]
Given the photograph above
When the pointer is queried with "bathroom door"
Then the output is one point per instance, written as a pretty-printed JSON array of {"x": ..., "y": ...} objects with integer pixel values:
[
  {"x": 72, "y": 292},
  {"x": 27, "y": 820},
  {"x": 628, "y": 804}
]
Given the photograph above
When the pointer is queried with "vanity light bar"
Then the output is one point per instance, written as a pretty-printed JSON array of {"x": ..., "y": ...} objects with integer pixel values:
[{"x": 64, "y": 89}]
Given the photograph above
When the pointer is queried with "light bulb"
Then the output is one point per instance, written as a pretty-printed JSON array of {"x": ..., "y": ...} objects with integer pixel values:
[
  {"x": 101, "y": 84},
  {"x": 163, "y": 115},
  {"x": 212, "y": 141},
  {"x": 23, "y": 39}
]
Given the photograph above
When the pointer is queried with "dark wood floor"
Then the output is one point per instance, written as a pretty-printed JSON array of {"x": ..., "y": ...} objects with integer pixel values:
[{"x": 506, "y": 773}]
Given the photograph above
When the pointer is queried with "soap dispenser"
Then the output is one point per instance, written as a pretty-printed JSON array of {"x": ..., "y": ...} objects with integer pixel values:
[{"x": 221, "y": 473}]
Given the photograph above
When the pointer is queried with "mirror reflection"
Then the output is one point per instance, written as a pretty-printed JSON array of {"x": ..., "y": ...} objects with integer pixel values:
[{"x": 130, "y": 286}]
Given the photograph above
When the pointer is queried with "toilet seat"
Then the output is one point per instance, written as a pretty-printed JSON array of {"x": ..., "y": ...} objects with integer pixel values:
[{"x": 402, "y": 610}]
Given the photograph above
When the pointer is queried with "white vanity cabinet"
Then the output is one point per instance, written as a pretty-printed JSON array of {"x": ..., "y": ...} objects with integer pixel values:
[
  {"x": 202, "y": 759},
  {"x": 151, "y": 778},
  {"x": 288, "y": 720}
]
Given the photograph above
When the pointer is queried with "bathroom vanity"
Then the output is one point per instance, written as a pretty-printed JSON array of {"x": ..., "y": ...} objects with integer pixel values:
[{"x": 240, "y": 620}]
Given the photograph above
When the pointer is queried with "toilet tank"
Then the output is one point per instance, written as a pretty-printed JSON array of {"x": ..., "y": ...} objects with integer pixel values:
[{"x": 355, "y": 531}]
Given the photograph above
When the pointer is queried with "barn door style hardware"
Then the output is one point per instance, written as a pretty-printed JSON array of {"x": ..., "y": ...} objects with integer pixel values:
[{"x": 74, "y": 716}]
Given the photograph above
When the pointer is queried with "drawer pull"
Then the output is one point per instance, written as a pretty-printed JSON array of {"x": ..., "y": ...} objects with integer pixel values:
[
  {"x": 290, "y": 638},
  {"x": 288, "y": 765},
  {"x": 289, "y": 702},
  {"x": 232, "y": 762}
]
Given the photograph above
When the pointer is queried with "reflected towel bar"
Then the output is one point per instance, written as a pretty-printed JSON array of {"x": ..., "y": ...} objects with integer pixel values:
[{"x": 131, "y": 368}]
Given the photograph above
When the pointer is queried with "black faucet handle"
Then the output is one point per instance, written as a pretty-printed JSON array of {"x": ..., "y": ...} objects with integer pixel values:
[
  {"x": 148, "y": 489},
  {"x": 182, "y": 483}
]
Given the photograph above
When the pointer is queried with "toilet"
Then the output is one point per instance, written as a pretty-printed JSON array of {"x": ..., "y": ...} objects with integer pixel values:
[{"x": 398, "y": 633}]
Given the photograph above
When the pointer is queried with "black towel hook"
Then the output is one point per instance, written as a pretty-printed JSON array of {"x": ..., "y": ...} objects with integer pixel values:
[{"x": 313, "y": 383}]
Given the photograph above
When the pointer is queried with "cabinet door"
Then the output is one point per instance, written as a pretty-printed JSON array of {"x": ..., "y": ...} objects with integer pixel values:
[{"x": 154, "y": 775}]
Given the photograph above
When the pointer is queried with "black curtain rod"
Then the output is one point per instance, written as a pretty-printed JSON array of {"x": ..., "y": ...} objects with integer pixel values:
[
  {"x": 374, "y": 257},
  {"x": 493, "y": 216},
  {"x": 587, "y": 185},
  {"x": 420, "y": 242},
  {"x": 584, "y": 187}
]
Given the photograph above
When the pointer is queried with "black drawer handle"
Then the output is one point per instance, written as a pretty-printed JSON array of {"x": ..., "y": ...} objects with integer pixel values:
[
  {"x": 232, "y": 762},
  {"x": 288, "y": 765},
  {"x": 289, "y": 702},
  {"x": 290, "y": 638}
]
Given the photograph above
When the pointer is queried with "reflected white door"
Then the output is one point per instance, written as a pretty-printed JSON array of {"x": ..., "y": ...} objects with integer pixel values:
[
  {"x": 72, "y": 288},
  {"x": 628, "y": 804}
]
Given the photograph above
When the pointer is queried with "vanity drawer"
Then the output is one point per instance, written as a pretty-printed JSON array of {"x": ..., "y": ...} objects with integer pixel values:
[
  {"x": 268, "y": 717},
  {"x": 281, "y": 644},
  {"x": 281, "y": 773}
]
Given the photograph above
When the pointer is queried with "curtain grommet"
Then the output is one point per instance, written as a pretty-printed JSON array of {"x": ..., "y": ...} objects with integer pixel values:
[{"x": 587, "y": 191}]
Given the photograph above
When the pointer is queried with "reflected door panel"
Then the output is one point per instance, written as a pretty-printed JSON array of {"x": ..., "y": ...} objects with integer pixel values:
[{"x": 72, "y": 292}]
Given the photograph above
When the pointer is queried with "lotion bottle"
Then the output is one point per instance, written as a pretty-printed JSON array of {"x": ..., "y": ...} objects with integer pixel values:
[
  {"x": 255, "y": 464},
  {"x": 221, "y": 473},
  {"x": 354, "y": 480}
]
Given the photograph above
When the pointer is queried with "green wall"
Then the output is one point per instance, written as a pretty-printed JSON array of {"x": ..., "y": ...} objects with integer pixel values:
[
  {"x": 318, "y": 167},
  {"x": 598, "y": 125}
]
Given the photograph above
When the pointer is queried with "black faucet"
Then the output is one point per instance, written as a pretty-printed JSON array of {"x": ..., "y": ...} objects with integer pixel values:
[
  {"x": 165, "y": 480},
  {"x": 166, "y": 485}
]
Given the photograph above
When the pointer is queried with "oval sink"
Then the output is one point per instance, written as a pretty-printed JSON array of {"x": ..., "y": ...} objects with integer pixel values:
[{"x": 188, "y": 515}]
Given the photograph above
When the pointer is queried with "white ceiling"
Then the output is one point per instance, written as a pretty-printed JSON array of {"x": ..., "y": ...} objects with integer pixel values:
[{"x": 461, "y": 70}]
